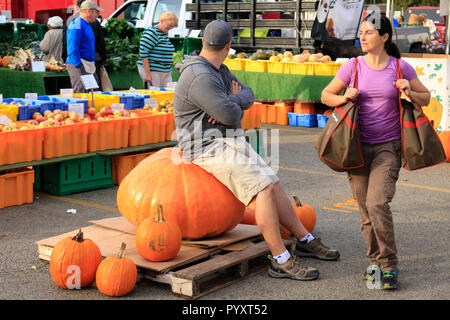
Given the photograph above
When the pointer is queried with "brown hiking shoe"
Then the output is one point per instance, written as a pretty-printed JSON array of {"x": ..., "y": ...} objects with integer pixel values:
[
  {"x": 291, "y": 269},
  {"x": 315, "y": 249}
]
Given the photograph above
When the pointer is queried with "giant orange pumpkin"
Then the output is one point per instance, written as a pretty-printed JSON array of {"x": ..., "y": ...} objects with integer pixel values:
[
  {"x": 304, "y": 212},
  {"x": 200, "y": 204},
  {"x": 158, "y": 239},
  {"x": 116, "y": 275},
  {"x": 74, "y": 262}
]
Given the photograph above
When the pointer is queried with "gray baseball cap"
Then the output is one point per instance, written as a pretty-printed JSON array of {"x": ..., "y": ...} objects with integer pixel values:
[
  {"x": 217, "y": 33},
  {"x": 90, "y": 5}
]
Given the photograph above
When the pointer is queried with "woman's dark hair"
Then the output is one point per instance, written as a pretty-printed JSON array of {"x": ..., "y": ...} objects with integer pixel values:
[{"x": 383, "y": 25}]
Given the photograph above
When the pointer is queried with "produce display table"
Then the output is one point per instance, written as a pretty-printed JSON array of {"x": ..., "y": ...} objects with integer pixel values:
[
  {"x": 277, "y": 86},
  {"x": 153, "y": 146},
  {"x": 16, "y": 83},
  {"x": 124, "y": 78}
]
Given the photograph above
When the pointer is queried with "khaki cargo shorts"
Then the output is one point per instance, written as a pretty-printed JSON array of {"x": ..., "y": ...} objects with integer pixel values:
[{"x": 234, "y": 163}]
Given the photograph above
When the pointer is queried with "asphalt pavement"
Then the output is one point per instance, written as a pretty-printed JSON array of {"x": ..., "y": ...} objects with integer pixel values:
[{"x": 420, "y": 208}]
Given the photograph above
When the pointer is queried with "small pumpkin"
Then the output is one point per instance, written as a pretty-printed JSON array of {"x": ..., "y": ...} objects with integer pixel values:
[
  {"x": 158, "y": 239},
  {"x": 445, "y": 139},
  {"x": 325, "y": 59},
  {"x": 116, "y": 275},
  {"x": 249, "y": 218},
  {"x": 5, "y": 61},
  {"x": 313, "y": 58},
  {"x": 74, "y": 262},
  {"x": 304, "y": 212}
]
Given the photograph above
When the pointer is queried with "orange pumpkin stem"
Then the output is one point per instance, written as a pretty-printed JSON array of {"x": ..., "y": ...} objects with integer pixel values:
[
  {"x": 122, "y": 250},
  {"x": 78, "y": 237},
  {"x": 297, "y": 201},
  {"x": 160, "y": 217}
]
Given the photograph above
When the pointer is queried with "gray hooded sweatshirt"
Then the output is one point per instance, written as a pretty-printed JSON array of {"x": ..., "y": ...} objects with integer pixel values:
[{"x": 204, "y": 91}]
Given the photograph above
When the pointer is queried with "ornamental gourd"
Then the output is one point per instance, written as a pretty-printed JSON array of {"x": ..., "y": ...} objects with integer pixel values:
[
  {"x": 116, "y": 275},
  {"x": 74, "y": 262},
  {"x": 158, "y": 239},
  {"x": 194, "y": 199}
]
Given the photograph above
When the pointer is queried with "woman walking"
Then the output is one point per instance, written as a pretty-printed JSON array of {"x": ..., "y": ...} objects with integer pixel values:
[{"x": 376, "y": 94}]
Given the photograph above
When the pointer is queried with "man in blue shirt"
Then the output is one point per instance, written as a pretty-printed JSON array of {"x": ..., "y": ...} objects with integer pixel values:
[{"x": 81, "y": 45}]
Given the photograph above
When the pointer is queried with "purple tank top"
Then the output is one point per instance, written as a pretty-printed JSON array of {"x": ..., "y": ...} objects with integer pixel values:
[{"x": 379, "y": 116}]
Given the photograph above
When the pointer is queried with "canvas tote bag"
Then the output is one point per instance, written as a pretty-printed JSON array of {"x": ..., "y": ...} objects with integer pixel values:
[
  {"x": 338, "y": 145},
  {"x": 104, "y": 78},
  {"x": 421, "y": 146}
]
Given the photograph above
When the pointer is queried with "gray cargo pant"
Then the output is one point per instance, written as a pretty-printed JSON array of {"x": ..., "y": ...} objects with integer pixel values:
[
  {"x": 75, "y": 77},
  {"x": 373, "y": 187}
]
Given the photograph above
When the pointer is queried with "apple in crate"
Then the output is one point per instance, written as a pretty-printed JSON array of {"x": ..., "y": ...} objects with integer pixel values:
[
  {"x": 74, "y": 116},
  {"x": 36, "y": 114},
  {"x": 91, "y": 111},
  {"x": 59, "y": 117}
]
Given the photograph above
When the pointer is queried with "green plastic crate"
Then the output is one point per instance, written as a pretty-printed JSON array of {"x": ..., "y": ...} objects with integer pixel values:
[
  {"x": 42, "y": 30},
  {"x": 256, "y": 138},
  {"x": 178, "y": 43},
  {"x": 192, "y": 44},
  {"x": 71, "y": 176},
  {"x": 28, "y": 29},
  {"x": 7, "y": 31},
  {"x": 138, "y": 32}
]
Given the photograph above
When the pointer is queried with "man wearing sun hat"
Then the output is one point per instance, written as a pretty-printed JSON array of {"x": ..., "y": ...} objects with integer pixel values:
[
  {"x": 209, "y": 103},
  {"x": 81, "y": 45}
]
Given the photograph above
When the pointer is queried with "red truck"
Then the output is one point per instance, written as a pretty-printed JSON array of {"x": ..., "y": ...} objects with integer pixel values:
[
  {"x": 432, "y": 14},
  {"x": 40, "y": 10}
]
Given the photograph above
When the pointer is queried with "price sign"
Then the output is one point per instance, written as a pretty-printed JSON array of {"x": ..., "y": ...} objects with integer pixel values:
[
  {"x": 67, "y": 93},
  {"x": 194, "y": 33},
  {"x": 117, "y": 106},
  {"x": 77, "y": 108},
  {"x": 5, "y": 120},
  {"x": 38, "y": 66},
  {"x": 133, "y": 91},
  {"x": 89, "y": 81},
  {"x": 31, "y": 96},
  {"x": 150, "y": 101}
]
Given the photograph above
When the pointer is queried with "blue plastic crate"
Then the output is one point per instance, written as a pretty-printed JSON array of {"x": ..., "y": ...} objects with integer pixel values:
[
  {"x": 26, "y": 111},
  {"x": 307, "y": 120},
  {"x": 63, "y": 102},
  {"x": 56, "y": 103},
  {"x": 322, "y": 120},
  {"x": 292, "y": 119},
  {"x": 138, "y": 100},
  {"x": 127, "y": 101}
]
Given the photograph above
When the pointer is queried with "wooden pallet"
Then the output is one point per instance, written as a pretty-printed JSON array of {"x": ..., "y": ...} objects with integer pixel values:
[
  {"x": 218, "y": 271},
  {"x": 193, "y": 275}
]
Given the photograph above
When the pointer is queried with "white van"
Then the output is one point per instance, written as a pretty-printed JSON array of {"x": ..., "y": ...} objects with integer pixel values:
[{"x": 145, "y": 13}]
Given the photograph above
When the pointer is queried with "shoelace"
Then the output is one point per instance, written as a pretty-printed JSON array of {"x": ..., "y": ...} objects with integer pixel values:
[{"x": 388, "y": 273}]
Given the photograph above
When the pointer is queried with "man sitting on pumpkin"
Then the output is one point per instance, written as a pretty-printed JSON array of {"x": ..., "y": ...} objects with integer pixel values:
[{"x": 209, "y": 103}]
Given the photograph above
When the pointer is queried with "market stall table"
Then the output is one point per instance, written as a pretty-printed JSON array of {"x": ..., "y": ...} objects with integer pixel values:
[
  {"x": 277, "y": 86},
  {"x": 14, "y": 84}
]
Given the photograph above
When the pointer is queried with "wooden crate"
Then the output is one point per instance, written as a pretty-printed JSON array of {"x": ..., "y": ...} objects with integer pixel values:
[{"x": 201, "y": 267}]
